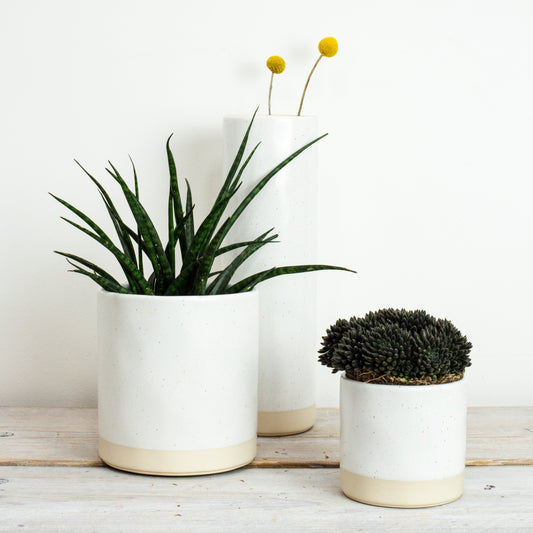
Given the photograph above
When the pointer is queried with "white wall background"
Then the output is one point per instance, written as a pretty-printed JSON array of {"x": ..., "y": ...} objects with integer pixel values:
[{"x": 426, "y": 177}]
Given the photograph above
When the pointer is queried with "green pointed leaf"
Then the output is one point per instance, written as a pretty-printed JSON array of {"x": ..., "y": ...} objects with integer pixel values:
[
  {"x": 178, "y": 230},
  {"x": 236, "y": 162},
  {"x": 105, "y": 241},
  {"x": 103, "y": 282},
  {"x": 211, "y": 252},
  {"x": 121, "y": 258},
  {"x": 181, "y": 285},
  {"x": 250, "y": 282},
  {"x": 152, "y": 281},
  {"x": 236, "y": 245},
  {"x": 146, "y": 230},
  {"x": 176, "y": 198},
  {"x": 124, "y": 239},
  {"x": 170, "y": 250},
  {"x": 255, "y": 191},
  {"x": 122, "y": 234},
  {"x": 237, "y": 180},
  {"x": 199, "y": 245},
  {"x": 137, "y": 195},
  {"x": 231, "y": 247},
  {"x": 100, "y": 271},
  {"x": 201, "y": 241},
  {"x": 189, "y": 224},
  {"x": 219, "y": 285},
  {"x": 103, "y": 192}
]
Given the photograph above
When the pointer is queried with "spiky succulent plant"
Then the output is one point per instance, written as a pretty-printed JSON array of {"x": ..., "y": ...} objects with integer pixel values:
[
  {"x": 394, "y": 344},
  {"x": 198, "y": 248}
]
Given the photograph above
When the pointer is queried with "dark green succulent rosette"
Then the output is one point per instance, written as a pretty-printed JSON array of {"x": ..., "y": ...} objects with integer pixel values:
[{"x": 396, "y": 346}]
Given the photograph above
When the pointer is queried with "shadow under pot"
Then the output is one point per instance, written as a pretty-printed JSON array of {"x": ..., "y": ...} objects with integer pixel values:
[
  {"x": 177, "y": 384},
  {"x": 402, "y": 445}
]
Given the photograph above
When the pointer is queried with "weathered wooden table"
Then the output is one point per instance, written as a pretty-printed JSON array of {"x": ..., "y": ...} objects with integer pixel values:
[{"x": 51, "y": 479}]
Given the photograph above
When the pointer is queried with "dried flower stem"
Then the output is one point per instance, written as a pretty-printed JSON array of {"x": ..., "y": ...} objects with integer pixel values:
[
  {"x": 270, "y": 92},
  {"x": 307, "y": 83}
]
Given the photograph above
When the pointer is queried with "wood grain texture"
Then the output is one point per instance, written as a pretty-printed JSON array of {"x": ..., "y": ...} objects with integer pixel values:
[
  {"x": 288, "y": 500},
  {"x": 48, "y": 436},
  {"x": 38, "y": 436}
]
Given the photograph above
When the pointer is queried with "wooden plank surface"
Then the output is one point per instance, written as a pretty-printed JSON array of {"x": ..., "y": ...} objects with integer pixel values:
[
  {"x": 38, "y": 436},
  {"x": 288, "y": 500}
]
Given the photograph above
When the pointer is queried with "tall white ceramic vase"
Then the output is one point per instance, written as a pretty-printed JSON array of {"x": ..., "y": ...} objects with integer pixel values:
[
  {"x": 402, "y": 445},
  {"x": 287, "y": 350},
  {"x": 177, "y": 383}
]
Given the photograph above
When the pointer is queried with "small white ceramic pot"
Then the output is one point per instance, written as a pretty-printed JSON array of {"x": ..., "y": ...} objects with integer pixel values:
[
  {"x": 288, "y": 333},
  {"x": 401, "y": 445},
  {"x": 177, "y": 384}
]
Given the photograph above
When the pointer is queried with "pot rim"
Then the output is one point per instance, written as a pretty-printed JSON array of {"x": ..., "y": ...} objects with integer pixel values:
[
  {"x": 401, "y": 387},
  {"x": 153, "y": 297},
  {"x": 281, "y": 115}
]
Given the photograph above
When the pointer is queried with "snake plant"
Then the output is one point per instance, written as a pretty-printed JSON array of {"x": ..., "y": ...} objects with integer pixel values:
[{"x": 198, "y": 248}]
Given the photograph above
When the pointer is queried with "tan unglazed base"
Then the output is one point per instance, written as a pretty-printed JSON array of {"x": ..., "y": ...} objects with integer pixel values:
[
  {"x": 177, "y": 463},
  {"x": 279, "y": 423},
  {"x": 392, "y": 493}
]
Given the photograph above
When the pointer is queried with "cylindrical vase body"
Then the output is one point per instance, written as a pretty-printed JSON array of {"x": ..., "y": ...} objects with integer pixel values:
[
  {"x": 177, "y": 383},
  {"x": 287, "y": 348},
  {"x": 402, "y": 445}
]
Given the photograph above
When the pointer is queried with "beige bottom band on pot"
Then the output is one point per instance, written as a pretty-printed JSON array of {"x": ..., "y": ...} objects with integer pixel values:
[
  {"x": 177, "y": 463},
  {"x": 393, "y": 493},
  {"x": 279, "y": 423}
]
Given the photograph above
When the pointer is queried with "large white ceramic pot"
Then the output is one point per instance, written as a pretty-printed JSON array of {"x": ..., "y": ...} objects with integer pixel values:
[
  {"x": 288, "y": 336},
  {"x": 177, "y": 384},
  {"x": 401, "y": 445}
]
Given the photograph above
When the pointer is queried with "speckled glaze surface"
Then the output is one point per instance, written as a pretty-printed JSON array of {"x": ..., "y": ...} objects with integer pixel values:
[
  {"x": 410, "y": 434},
  {"x": 178, "y": 374},
  {"x": 288, "y": 340}
]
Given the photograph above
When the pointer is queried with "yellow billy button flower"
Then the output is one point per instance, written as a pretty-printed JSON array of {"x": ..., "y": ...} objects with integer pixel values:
[
  {"x": 327, "y": 47},
  {"x": 276, "y": 65}
]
